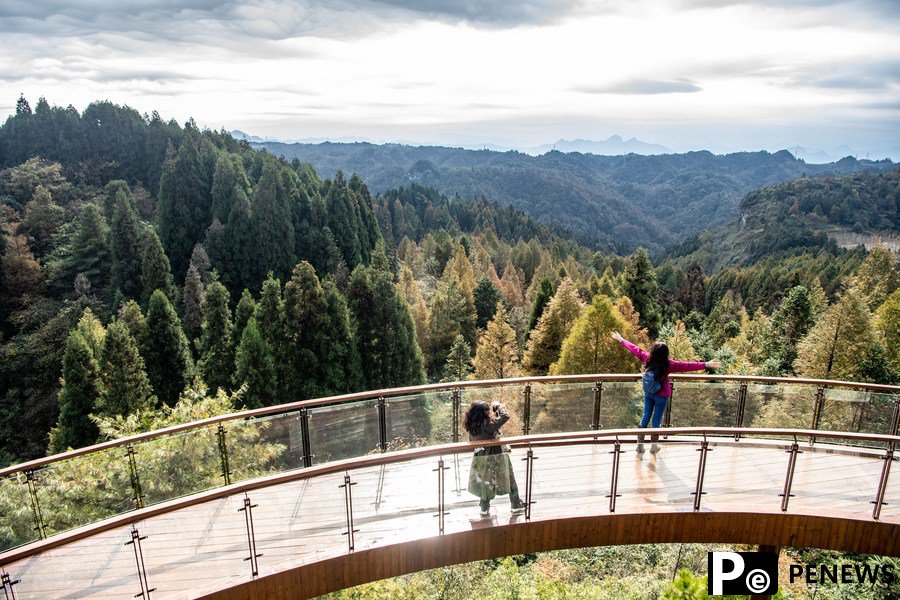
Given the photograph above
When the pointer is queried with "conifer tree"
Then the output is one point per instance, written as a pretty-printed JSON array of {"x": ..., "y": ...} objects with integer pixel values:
[
  {"x": 239, "y": 234},
  {"x": 242, "y": 312},
  {"x": 497, "y": 355},
  {"x": 42, "y": 219},
  {"x": 125, "y": 388},
  {"x": 200, "y": 261},
  {"x": 80, "y": 390},
  {"x": 92, "y": 331},
  {"x": 126, "y": 250},
  {"x": 89, "y": 249},
  {"x": 451, "y": 314},
  {"x": 636, "y": 334},
  {"x": 789, "y": 324},
  {"x": 541, "y": 299},
  {"x": 676, "y": 337},
  {"x": 486, "y": 298},
  {"x": 835, "y": 345},
  {"x": 409, "y": 290},
  {"x": 877, "y": 278},
  {"x": 692, "y": 291},
  {"x": 273, "y": 230},
  {"x": 724, "y": 320},
  {"x": 640, "y": 285},
  {"x": 155, "y": 271},
  {"x": 229, "y": 180},
  {"x": 545, "y": 342},
  {"x": 255, "y": 368},
  {"x": 217, "y": 339},
  {"x": 589, "y": 347},
  {"x": 168, "y": 360},
  {"x": 459, "y": 269},
  {"x": 512, "y": 286},
  {"x": 459, "y": 360},
  {"x": 887, "y": 321},
  {"x": 192, "y": 299},
  {"x": 269, "y": 316},
  {"x": 132, "y": 317},
  {"x": 218, "y": 249},
  {"x": 20, "y": 274}
]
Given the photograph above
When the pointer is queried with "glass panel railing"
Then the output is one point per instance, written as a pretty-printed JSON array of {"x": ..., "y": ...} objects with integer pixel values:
[
  {"x": 621, "y": 405},
  {"x": 17, "y": 519},
  {"x": 742, "y": 474},
  {"x": 561, "y": 407},
  {"x": 419, "y": 420},
  {"x": 569, "y": 481},
  {"x": 343, "y": 431},
  {"x": 835, "y": 483},
  {"x": 705, "y": 404},
  {"x": 513, "y": 396},
  {"x": 665, "y": 478},
  {"x": 779, "y": 406},
  {"x": 857, "y": 411},
  {"x": 84, "y": 490},
  {"x": 178, "y": 465},
  {"x": 263, "y": 446}
]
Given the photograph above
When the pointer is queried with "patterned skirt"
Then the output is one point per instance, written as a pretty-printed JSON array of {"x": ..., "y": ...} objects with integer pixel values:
[{"x": 490, "y": 473}]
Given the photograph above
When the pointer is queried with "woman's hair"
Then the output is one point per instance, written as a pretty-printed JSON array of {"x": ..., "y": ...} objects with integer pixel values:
[
  {"x": 658, "y": 361},
  {"x": 477, "y": 417}
]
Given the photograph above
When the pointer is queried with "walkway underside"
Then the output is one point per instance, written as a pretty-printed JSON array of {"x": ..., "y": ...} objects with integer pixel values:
[{"x": 315, "y": 579}]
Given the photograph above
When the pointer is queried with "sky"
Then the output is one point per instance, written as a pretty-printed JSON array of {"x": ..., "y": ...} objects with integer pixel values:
[{"x": 720, "y": 75}]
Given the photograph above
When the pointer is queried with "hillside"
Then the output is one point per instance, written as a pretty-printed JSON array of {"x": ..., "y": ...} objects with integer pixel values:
[
  {"x": 804, "y": 215},
  {"x": 616, "y": 202}
]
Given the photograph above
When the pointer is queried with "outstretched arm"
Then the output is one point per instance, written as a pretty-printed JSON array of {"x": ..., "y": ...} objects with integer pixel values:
[
  {"x": 677, "y": 366},
  {"x": 638, "y": 352}
]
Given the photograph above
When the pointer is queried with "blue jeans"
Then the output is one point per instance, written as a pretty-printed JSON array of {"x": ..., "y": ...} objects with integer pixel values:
[{"x": 654, "y": 409}]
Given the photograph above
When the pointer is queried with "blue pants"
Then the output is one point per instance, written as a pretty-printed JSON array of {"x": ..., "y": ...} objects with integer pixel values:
[{"x": 654, "y": 409}]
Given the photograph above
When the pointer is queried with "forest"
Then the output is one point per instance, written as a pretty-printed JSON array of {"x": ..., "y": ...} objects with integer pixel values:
[{"x": 149, "y": 269}]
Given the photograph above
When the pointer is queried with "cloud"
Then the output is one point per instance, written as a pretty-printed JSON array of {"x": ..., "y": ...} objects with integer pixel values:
[
  {"x": 644, "y": 87},
  {"x": 869, "y": 75},
  {"x": 492, "y": 12}
]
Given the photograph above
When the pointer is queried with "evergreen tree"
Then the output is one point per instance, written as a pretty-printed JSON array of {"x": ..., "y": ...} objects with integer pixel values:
[
  {"x": 92, "y": 331},
  {"x": 589, "y": 347},
  {"x": 192, "y": 298},
  {"x": 692, "y": 291},
  {"x": 497, "y": 355},
  {"x": 200, "y": 261},
  {"x": 409, "y": 290},
  {"x": 541, "y": 299},
  {"x": 877, "y": 278},
  {"x": 789, "y": 324},
  {"x": 545, "y": 342},
  {"x": 155, "y": 271},
  {"x": 243, "y": 311},
  {"x": 168, "y": 360},
  {"x": 239, "y": 235},
  {"x": 835, "y": 345},
  {"x": 459, "y": 360},
  {"x": 131, "y": 316},
  {"x": 80, "y": 390},
  {"x": 640, "y": 285},
  {"x": 269, "y": 316},
  {"x": 125, "y": 388},
  {"x": 273, "y": 231},
  {"x": 217, "y": 340},
  {"x": 255, "y": 368},
  {"x": 451, "y": 315},
  {"x": 486, "y": 298},
  {"x": 229, "y": 181},
  {"x": 89, "y": 250},
  {"x": 219, "y": 252},
  {"x": 887, "y": 321},
  {"x": 724, "y": 321},
  {"x": 41, "y": 221},
  {"x": 126, "y": 251}
]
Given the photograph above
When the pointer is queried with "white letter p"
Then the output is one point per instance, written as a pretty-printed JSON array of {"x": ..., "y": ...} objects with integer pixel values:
[{"x": 719, "y": 575}]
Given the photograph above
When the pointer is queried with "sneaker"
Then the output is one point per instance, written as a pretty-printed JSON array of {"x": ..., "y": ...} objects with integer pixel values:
[
  {"x": 640, "y": 449},
  {"x": 485, "y": 513},
  {"x": 654, "y": 448},
  {"x": 519, "y": 510}
]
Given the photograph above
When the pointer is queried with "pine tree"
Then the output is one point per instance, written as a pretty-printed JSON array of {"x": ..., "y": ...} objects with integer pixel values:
[
  {"x": 80, "y": 390},
  {"x": 200, "y": 261},
  {"x": 219, "y": 251},
  {"x": 789, "y": 324},
  {"x": 155, "y": 271},
  {"x": 545, "y": 342},
  {"x": 459, "y": 360},
  {"x": 835, "y": 345},
  {"x": 243, "y": 311},
  {"x": 724, "y": 320},
  {"x": 255, "y": 368},
  {"x": 126, "y": 251},
  {"x": 486, "y": 298},
  {"x": 239, "y": 235},
  {"x": 92, "y": 331},
  {"x": 89, "y": 251},
  {"x": 41, "y": 221},
  {"x": 589, "y": 347},
  {"x": 168, "y": 360},
  {"x": 541, "y": 299},
  {"x": 497, "y": 355},
  {"x": 273, "y": 231},
  {"x": 192, "y": 299},
  {"x": 451, "y": 314},
  {"x": 640, "y": 285},
  {"x": 131, "y": 316},
  {"x": 228, "y": 182},
  {"x": 269, "y": 316},
  {"x": 125, "y": 388},
  {"x": 692, "y": 291},
  {"x": 217, "y": 340}
]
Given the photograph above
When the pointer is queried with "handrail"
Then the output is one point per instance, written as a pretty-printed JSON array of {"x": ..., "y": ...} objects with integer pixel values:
[
  {"x": 403, "y": 456},
  {"x": 433, "y": 387}
]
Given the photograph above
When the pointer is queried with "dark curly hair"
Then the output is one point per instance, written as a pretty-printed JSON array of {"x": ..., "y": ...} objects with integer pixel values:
[
  {"x": 658, "y": 361},
  {"x": 477, "y": 417}
]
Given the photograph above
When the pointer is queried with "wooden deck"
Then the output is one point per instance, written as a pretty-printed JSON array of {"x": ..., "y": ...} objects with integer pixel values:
[{"x": 300, "y": 527}]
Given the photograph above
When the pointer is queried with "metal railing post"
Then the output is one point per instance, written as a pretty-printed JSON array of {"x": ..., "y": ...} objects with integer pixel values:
[
  {"x": 8, "y": 591},
  {"x": 529, "y": 481},
  {"x": 614, "y": 485},
  {"x": 701, "y": 473},
  {"x": 348, "y": 506},
  {"x": 251, "y": 535},
  {"x": 304, "y": 437},
  {"x": 455, "y": 410},
  {"x": 598, "y": 396},
  {"x": 441, "y": 509},
  {"x": 895, "y": 419},
  {"x": 668, "y": 414},
  {"x": 817, "y": 412},
  {"x": 36, "y": 513},
  {"x": 888, "y": 458},
  {"x": 526, "y": 418},
  {"x": 382, "y": 424},
  {"x": 136, "y": 489},
  {"x": 742, "y": 404},
  {"x": 223, "y": 453},
  {"x": 141, "y": 567},
  {"x": 789, "y": 476}
]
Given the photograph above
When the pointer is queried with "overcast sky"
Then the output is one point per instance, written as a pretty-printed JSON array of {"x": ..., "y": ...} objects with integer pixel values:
[{"x": 686, "y": 74}]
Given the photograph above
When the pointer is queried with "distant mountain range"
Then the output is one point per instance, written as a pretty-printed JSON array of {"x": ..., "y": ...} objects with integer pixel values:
[
  {"x": 612, "y": 146},
  {"x": 613, "y": 203}
]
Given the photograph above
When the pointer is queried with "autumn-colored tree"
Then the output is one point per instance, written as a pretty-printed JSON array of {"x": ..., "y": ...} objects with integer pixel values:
[
  {"x": 887, "y": 321},
  {"x": 877, "y": 277},
  {"x": 589, "y": 347},
  {"x": 409, "y": 290},
  {"x": 497, "y": 354},
  {"x": 20, "y": 274},
  {"x": 546, "y": 340},
  {"x": 459, "y": 270},
  {"x": 512, "y": 285},
  {"x": 835, "y": 345}
]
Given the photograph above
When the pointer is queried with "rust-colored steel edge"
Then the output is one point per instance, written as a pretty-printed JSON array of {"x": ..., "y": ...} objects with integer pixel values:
[
  {"x": 625, "y": 435},
  {"x": 420, "y": 389}
]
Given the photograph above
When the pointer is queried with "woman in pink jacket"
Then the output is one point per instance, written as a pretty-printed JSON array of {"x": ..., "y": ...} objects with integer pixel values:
[{"x": 657, "y": 363}]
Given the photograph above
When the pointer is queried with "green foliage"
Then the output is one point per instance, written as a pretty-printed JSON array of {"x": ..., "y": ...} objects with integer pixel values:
[
  {"x": 878, "y": 277},
  {"x": 217, "y": 341},
  {"x": 459, "y": 360},
  {"x": 546, "y": 340},
  {"x": 192, "y": 300},
  {"x": 451, "y": 314},
  {"x": 126, "y": 250},
  {"x": 640, "y": 285},
  {"x": 243, "y": 311},
  {"x": 88, "y": 250},
  {"x": 80, "y": 390},
  {"x": 497, "y": 354},
  {"x": 155, "y": 271},
  {"x": 255, "y": 371},
  {"x": 165, "y": 350},
  {"x": 273, "y": 230},
  {"x": 124, "y": 383},
  {"x": 41, "y": 221},
  {"x": 686, "y": 587},
  {"x": 837, "y": 342},
  {"x": 545, "y": 292},
  {"x": 589, "y": 348},
  {"x": 486, "y": 297}
]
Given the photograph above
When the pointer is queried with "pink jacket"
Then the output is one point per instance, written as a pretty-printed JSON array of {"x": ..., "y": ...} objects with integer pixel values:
[{"x": 675, "y": 366}]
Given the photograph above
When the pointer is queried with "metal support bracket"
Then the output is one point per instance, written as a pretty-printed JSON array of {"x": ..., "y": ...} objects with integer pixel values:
[
  {"x": 526, "y": 418},
  {"x": 304, "y": 435},
  {"x": 223, "y": 453},
  {"x": 138, "y": 493},
  {"x": 598, "y": 396},
  {"x": 698, "y": 492},
  {"x": 136, "y": 539},
  {"x": 251, "y": 535},
  {"x": 529, "y": 481},
  {"x": 348, "y": 505},
  {"x": 789, "y": 476},
  {"x": 441, "y": 509},
  {"x": 888, "y": 458},
  {"x": 614, "y": 485},
  {"x": 9, "y": 591},
  {"x": 36, "y": 513}
]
